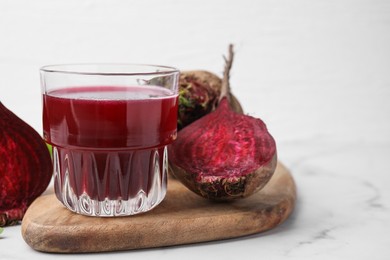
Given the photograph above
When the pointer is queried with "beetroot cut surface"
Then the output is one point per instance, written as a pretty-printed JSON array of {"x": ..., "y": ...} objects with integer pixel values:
[
  {"x": 25, "y": 167},
  {"x": 224, "y": 155}
]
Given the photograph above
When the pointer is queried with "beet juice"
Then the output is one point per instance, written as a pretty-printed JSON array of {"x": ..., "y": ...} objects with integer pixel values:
[{"x": 109, "y": 146}]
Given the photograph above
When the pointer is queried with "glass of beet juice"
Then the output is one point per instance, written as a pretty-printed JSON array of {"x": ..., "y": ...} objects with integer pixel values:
[{"x": 109, "y": 126}]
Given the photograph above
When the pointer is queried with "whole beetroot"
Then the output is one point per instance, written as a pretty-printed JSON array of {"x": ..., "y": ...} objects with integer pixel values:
[{"x": 199, "y": 91}]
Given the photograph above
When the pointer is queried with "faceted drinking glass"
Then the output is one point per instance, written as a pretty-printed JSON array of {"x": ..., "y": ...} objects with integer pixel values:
[{"x": 109, "y": 126}]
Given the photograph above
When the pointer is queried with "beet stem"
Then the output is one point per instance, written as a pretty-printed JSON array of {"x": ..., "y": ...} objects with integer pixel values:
[{"x": 225, "y": 88}]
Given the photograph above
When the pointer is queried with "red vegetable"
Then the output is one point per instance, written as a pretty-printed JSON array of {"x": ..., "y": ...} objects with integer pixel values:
[
  {"x": 25, "y": 166},
  {"x": 198, "y": 95},
  {"x": 224, "y": 155}
]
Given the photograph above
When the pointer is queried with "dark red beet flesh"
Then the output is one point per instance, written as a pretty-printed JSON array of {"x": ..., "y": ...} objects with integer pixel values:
[
  {"x": 224, "y": 155},
  {"x": 25, "y": 166}
]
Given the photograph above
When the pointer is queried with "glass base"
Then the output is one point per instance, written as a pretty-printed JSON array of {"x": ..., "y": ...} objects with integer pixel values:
[{"x": 110, "y": 183}]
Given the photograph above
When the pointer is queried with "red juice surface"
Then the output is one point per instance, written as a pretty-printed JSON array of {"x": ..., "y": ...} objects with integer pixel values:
[
  {"x": 110, "y": 117},
  {"x": 108, "y": 140}
]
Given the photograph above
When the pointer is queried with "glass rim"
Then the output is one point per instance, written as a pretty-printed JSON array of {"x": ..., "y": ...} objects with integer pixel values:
[{"x": 101, "y": 69}]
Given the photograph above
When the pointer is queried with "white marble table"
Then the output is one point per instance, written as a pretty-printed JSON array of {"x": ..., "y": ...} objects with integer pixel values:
[{"x": 317, "y": 72}]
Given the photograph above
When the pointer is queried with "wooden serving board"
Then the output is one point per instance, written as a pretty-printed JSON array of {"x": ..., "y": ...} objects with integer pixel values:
[{"x": 182, "y": 218}]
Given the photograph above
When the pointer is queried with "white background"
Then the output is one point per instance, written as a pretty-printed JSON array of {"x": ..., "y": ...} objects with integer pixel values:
[{"x": 317, "y": 73}]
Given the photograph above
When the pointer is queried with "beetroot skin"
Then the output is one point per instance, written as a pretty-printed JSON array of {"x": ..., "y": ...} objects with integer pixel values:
[
  {"x": 25, "y": 166},
  {"x": 224, "y": 155},
  {"x": 199, "y": 92},
  {"x": 195, "y": 100}
]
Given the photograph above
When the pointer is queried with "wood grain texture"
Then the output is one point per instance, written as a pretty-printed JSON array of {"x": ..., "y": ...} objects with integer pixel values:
[{"x": 182, "y": 218}]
